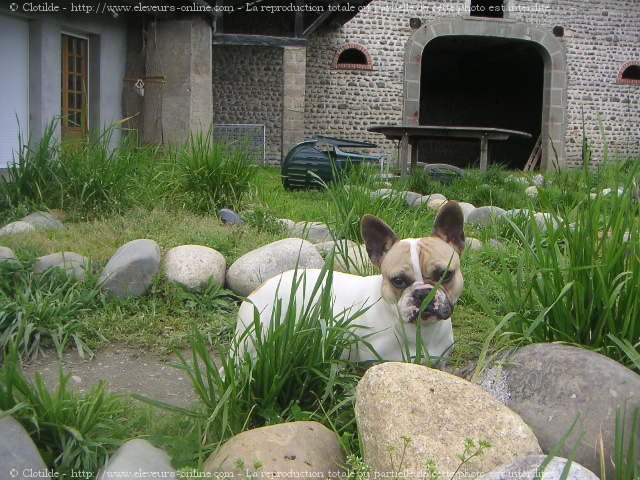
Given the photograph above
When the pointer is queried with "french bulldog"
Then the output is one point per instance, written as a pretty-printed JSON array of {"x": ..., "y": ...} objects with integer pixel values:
[{"x": 410, "y": 269}]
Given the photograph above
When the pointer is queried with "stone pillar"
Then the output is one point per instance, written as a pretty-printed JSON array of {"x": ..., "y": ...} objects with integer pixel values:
[
  {"x": 181, "y": 51},
  {"x": 294, "y": 65}
]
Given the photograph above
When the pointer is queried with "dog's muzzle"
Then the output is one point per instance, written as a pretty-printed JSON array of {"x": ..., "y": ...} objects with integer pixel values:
[{"x": 439, "y": 308}]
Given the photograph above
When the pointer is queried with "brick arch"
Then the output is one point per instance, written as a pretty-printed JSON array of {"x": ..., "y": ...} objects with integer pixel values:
[
  {"x": 352, "y": 66},
  {"x": 554, "y": 101},
  {"x": 627, "y": 81}
]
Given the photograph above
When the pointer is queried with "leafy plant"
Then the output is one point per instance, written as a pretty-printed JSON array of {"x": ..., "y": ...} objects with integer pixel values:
[{"x": 72, "y": 431}]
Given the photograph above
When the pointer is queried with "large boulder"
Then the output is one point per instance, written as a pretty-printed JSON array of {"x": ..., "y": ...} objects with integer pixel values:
[
  {"x": 297, "y": 450},
  {"x": 131, "y": 269},
  {"x": 137, "y": 458},
  {"x": 19, "y": 457},
  {"x": 548, "y": 384},
  {"x": 483, "y": 216},
  {"x": 43, "y": 221},
  {"x": 252, "y": 269},
  {"x": 193, "y": 266},
  {"x": 525, "y": 469},
  {"x": 16, "y": 228},
  {"x": 434, "y": 413},
  {"x": 71, "y": 263}
]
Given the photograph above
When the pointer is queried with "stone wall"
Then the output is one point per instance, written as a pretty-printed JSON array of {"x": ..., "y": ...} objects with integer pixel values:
[
  {"x": 247, "y": 88},
  {"x": 599, "y": 37}
]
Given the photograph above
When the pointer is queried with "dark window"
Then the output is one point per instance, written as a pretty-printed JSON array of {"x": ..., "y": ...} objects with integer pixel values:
[
  {"x": 632, "y": 72},
  {"x": 352, "y": 56},
  {"x": 487, "y": 8}
]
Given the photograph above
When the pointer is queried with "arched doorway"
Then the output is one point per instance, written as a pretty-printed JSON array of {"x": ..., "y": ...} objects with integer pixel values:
[
  {"x": 485, "y": 82},
  {"x": 487, "y": 73}
]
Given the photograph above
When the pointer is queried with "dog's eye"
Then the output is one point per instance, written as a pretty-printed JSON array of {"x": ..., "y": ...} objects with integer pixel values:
[
  {"x": 443, "y": 275},
  {"x": 399, "y": 282}
]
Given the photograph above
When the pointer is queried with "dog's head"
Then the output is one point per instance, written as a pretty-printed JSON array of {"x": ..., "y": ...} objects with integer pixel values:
[{"x": 413, "y": 267}]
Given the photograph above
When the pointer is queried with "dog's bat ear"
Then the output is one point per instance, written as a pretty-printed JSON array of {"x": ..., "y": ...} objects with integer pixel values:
[
  {"x": 449, "y": 226},
  {"x": 378, "y": 238}
]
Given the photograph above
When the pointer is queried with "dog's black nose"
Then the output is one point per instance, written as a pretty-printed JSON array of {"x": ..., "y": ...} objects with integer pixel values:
[{"x": 420, "y": 294}]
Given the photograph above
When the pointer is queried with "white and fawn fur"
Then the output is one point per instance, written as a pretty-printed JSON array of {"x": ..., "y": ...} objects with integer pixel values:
[{"x": 410, "y": 269}]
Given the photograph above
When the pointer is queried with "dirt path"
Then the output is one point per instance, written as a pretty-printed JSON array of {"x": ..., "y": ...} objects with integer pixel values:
[{"x": 125, "y": 370}]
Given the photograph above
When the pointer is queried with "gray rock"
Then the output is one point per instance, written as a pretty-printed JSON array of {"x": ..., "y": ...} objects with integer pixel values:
[
  {"x": 19, "y": 457},
  {"x": 547, "y": 384},
  {"x": 286, "y": 223},
  {"x": 355, "y": 260},
  {"x": 137, "y": 458},
  {"x": 497, "y": 244},
  {"x": 252, "y": 269},
  {"x": 483, "y": 216},
  {"x": 131, "y": 269},
  {"x": 466, "y": 209},
  {"x": 43, "y": 221},
  {"x": 543, "y": 220},
  {"x": 531, "y": 191},
  {"x": 229, "y": 217},
  {"x": 413, "y": 199},
  {"x": 325, "y": 248},
  {"x": 72, "y": 263},
  {"x": 16, "y": 228},
  {"x": 193, "y": 266},
  {"x": 437, "y": 412},
  {"x": 519, "y": 213},
  {"x": 315, "y": 232},
  {"x": 473, "y": 244},
  {"x": 384, "y": 193},
  {"x": 525, "y": 469},
  {"x": 520, "y": 180},
  {"x": 7, "y": 255},
  {"x": 286, "y": 450},
  {"x": 538, "y": 180},
  {"x": 435, "y": 204}
]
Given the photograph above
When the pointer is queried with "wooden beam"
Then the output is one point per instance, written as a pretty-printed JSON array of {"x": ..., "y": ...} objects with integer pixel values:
[
  {"x": 317, "y": 22},
  {"x": 259, "y": 40},
  {"x": 298, "y": 22},
  {"x": 218, "y": 26}
]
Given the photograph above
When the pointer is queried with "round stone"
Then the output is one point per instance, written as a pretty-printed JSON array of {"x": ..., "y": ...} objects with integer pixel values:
[{"x": 194, "y": 266}]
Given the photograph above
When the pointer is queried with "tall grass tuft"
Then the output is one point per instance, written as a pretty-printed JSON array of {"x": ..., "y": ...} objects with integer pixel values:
[
  {"x": 205, "y": 176},
  {"x": 72, "y": 431},
  {"x": 29, "y": 179},
  {"x": 44, "y": 310},
  {"x": 578, "y": 282}
]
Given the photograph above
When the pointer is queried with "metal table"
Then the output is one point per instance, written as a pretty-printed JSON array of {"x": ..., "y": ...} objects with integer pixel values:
[{"x": 410, "y": 135}]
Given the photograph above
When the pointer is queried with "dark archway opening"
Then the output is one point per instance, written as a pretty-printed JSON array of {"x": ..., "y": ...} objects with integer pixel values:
[
  {"x": 352, "y": 56},
  {"x": 486, "y": 82}
]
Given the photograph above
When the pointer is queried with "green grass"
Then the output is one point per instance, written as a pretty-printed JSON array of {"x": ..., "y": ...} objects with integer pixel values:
[{"x": 71, "y": 431}]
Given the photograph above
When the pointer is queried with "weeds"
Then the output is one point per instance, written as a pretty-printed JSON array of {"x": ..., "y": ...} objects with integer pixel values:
[
  {"x": 72, "y": 431},
  {"x": 208, "y": 176},
  {"x": 578, "y": 282},
  {"x": 292, "y": 370},
  {"x": 44, "y": 310}
]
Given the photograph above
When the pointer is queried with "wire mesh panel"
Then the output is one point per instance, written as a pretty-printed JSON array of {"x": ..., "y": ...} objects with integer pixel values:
[{"x": 249, "y": 135}]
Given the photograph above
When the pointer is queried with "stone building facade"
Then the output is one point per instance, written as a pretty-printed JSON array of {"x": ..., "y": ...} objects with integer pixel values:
[
  {"x": 599, "y": 39},
  {"x": 559, "y": 59}
]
